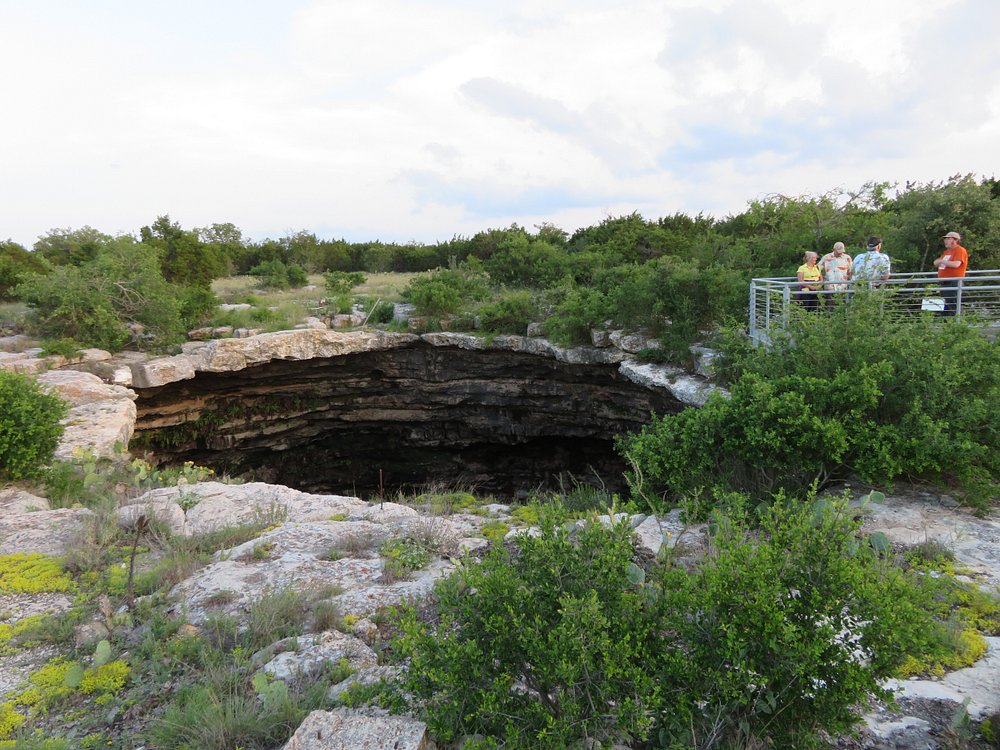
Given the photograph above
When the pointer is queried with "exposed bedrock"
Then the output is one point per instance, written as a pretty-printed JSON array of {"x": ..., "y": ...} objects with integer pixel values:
[{"x": 405, "y": 415}]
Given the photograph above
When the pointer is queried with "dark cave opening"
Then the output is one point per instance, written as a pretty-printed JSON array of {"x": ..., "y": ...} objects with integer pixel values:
[{"x": 505, "y": 424}]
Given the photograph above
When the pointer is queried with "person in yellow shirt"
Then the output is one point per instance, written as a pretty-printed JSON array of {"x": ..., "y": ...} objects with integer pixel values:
[{"x": 810, "y": 281}]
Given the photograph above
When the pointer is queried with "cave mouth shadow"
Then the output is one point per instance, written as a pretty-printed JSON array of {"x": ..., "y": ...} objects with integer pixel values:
[
  {"x": 501, "y": 471},
  {"x": 380, "y": 422}
]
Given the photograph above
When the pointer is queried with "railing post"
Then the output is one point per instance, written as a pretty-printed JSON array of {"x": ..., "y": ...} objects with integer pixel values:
[
  {"x": 958, "y": 299},
  {"x": 753, "y": 311},
  {"x": 786, "y": 302}
]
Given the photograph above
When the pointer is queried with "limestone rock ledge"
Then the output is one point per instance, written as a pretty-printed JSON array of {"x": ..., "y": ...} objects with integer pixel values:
[
  {"x": 101, "y": 417},
  {"x": 230, "y": 355}
]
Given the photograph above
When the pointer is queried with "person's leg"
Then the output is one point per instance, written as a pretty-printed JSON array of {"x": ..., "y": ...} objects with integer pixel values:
[{"x": 949, "y": 293}]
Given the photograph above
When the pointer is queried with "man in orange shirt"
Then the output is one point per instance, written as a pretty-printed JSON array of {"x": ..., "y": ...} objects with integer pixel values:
[{"x": 951, "y": 266}]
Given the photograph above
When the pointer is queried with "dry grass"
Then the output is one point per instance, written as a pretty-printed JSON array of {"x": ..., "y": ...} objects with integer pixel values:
[
  {"x": 234, "y": 289},
  {"x": 388, "y": 286}
]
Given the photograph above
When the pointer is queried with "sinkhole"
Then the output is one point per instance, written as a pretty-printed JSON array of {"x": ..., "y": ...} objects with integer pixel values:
[{"x": 376, "y": 422}]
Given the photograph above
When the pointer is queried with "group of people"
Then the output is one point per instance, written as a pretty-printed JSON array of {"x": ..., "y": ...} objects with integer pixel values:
[{"x": 833, "y": 273}]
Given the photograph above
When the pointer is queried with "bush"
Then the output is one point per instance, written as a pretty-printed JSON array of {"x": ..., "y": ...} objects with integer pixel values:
[
  {"x": 29, "y": 426},
  {"x": 274, "y": 274},
  {"x": 537, "y": 646},
  {"x": 561, "y": 640},
  {"x": 579, "y": 310},
  {"x": 103, "y": 302},
  {"x": 339, "y": 283},
  {"x": 511, "y": 313},
  {"x": 863, "y": 392},
  {"x": 446, "y": 291}
]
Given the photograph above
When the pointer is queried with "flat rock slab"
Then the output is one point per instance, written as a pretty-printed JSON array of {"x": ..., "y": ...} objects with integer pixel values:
[
  {"x": 101, "y": 418},
  {"x": 348, "y": 729},
  {"x": 232, "y": 586},
  {"x": 975, "y": 541},
  {"x": 46, "y": 532},
  {"x": 980, "y": 684},
  {"x": 214, "y": 505}
]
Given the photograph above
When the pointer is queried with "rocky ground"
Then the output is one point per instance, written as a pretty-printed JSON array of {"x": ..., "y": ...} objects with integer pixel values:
[{"x": 296, "y": 553}]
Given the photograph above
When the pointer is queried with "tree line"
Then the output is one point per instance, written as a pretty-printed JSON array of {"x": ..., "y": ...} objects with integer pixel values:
[{"x": 676, "y": 276}]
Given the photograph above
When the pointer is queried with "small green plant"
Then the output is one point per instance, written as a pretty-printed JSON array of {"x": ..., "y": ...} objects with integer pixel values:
[
  {"x": 32, "y": 574},
  {"x": 402, "y": 556},
  {"x": 60, "y": 347},
  {"x": 332, "y": 554},
  {"x": 325, "y": 616},
  {"x": 29, "y": 426},
  {"x": 262, "y": 551},
  {"x": 990, "y": 729},
  {"x": 495, "y": 531}
]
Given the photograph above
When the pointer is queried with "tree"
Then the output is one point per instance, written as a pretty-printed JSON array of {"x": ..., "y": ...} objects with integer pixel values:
[
  {"x": 922, "y": 214},
  {"x": 106, "y": 301},
  {"x": 184, "y": 258},
  {"x": 227, "y": 242},
  {"x": 63, "y": 247},
  {"x": 16, "y": 264}
]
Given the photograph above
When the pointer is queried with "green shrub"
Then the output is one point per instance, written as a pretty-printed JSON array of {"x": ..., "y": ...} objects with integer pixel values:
[
  {"x": 522, "y": 261},
  {"x": 862, "y": 392},
  {"x": 402, "y": 556},
  {"x": 29, "y": 426},
  {"x": 274, "y": 274},
  {"x": 578, "y": 310},
  {"x": 342, "y": 282},
  {"x": 105, "y": 302},
  {"x": 446, "y": 290},
  {"x": 561, "y": 640},
  {"x": 540, "y": 647},
  {"x": 510, "y": 313}
]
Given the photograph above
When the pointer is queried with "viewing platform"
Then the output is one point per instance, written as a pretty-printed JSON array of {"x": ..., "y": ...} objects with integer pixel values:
[{"x": 771, "y": 299}]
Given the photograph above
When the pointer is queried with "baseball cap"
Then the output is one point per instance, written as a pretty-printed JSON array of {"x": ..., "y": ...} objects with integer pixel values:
[
  {"x": 874, "y": 241},
  {"x": 953, "y": 235}
]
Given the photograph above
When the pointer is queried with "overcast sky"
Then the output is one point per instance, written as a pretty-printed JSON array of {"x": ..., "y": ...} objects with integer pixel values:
[{"x": 418, "y": 120}]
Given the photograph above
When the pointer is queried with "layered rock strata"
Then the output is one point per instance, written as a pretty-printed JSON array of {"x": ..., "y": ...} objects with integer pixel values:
[{"x": 359, "y": 412}]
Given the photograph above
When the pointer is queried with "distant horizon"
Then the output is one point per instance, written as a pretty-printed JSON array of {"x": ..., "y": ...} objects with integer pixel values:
[
  {"x": 420, "y": 121},
  {"x": 327, "y": 236}
]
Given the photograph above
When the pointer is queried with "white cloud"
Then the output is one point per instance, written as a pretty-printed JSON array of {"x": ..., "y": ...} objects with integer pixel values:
[{"x": 420, "y": 119}]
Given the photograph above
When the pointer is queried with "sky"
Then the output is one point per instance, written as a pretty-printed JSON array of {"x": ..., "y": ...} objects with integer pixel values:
[{"x": 422, "y": 120}]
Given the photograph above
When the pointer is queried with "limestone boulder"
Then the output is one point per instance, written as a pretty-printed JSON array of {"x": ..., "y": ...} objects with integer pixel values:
[
  {"x": 162, "y": 370},
  {"x": 354, "y": 729},
  {"x": 296, "y": 659},
  {"x": 46, "y": 532},
  {"x": 704, "y": 360},
  {"x": 101, "y": 417},
  {"x": 14, "y": 501},
  {"x": 654, "y": 531},
  {"x": 81, "y": 388},
  {"x": 154, "y": 510},
  {"x": 633, "y": 342}
]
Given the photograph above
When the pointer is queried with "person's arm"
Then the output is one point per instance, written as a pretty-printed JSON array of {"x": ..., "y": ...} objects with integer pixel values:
[{"x": 945, "y": 262}]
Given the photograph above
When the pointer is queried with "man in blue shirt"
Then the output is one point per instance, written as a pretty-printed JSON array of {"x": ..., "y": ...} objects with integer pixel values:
[{"x": 871, "y": 265}]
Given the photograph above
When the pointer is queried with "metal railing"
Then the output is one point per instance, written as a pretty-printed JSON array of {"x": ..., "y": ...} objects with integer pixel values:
[{"x": 771, "y": 300}]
